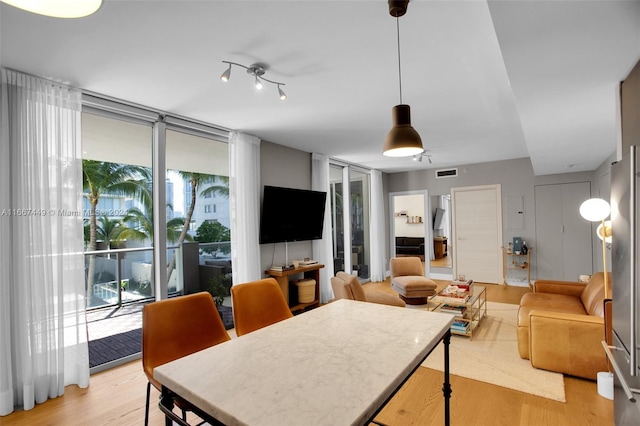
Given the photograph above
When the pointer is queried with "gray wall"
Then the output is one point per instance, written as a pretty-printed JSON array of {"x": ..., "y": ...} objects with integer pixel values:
[
  {"x": 289, "y": 168},
  {"x": 516, "y": 178}
]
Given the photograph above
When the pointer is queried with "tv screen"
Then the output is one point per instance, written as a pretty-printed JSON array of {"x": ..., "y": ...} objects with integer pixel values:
[
  {"x": 291, "y": 215},
  {"x": 437, "y": 218}
]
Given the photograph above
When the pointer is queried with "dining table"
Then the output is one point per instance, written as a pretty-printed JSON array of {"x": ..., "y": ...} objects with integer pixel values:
[{"x": 338, "y": 364}]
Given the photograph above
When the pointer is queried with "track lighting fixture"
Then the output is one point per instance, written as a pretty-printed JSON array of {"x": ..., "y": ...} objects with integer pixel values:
[
  {"x": 257, "y": 71},
  {"x": 418, "y": 157}
]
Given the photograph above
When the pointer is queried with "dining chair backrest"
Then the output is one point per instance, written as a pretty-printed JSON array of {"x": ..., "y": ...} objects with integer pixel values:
[
  {"x": 258, "y": 304},
  {"x": 178, "y": 327}
]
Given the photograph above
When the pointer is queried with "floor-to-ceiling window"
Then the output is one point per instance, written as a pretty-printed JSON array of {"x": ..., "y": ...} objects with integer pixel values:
[
  {"x": 359, "y": 218},
  {"x": 136, "y": 162},
  {"x": 350, "y": 207},
  {"x": 198, "y": 194},
  {"x": 337, "y": 217}
]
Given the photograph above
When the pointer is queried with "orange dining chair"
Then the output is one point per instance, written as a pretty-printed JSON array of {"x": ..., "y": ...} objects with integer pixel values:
[
  {"x": 258, "y": 304},
  {"x": 175, "y": 328}
]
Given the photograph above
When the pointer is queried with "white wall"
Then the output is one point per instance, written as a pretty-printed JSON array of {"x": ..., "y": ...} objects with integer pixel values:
[{"x": 414, "y": 206}]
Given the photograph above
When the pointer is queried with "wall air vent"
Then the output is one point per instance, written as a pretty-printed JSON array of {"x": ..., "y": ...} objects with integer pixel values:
[{"x": 446, "y": 173}]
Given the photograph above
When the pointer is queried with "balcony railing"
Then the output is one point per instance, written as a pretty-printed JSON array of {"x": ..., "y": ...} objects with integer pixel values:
[{"x": 126, "y": 275}]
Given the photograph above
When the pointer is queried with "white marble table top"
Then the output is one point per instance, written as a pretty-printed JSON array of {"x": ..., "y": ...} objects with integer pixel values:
[{"x": 334, "y": 365}]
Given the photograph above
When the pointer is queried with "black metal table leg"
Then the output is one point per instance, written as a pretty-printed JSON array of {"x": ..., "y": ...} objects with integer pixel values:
[{"x": 446, "y": 387}]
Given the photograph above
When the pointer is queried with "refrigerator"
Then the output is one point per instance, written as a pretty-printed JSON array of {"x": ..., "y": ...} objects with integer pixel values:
[{"x": 624, "y": 353}]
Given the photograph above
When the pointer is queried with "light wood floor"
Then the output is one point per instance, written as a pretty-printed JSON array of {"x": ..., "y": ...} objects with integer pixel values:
[{"x": 117, "y": 397}]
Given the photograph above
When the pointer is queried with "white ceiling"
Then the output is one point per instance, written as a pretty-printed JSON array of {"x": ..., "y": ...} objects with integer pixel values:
[{"x": 486, "y": 81}]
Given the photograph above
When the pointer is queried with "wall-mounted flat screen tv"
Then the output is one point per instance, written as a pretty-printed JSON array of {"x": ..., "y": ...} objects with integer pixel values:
[
  {"x": 438, "y": 222},
  {"x": 290, "y": 214}
]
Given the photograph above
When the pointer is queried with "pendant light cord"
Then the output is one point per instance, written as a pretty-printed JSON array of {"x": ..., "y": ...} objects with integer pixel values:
[{"x": 399, "y": 68}]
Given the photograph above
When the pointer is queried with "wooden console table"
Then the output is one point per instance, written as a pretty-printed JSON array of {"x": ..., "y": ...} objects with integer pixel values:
[{"x": 290, "y": 291}]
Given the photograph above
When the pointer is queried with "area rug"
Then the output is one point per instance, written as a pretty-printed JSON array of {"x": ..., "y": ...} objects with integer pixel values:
[{"x": 492, "y": 357}]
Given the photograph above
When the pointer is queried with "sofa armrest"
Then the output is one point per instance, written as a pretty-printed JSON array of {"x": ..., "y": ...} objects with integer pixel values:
[
  {"x": 570, "y": 288},
  {"x": 567, "y": 343}
]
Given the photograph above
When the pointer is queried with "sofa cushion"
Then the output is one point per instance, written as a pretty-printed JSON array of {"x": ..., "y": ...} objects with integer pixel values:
[
  {"x": 553, "y": 302},
  {"x": 593, "y": 295},
  {"x": 570, "y": 305}
]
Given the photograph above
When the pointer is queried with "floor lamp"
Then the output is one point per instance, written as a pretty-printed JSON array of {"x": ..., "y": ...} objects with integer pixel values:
[{"x": 597, "y": 210}]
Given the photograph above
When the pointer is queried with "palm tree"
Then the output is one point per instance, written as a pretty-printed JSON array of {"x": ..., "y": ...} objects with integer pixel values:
[
  {"x": 220, "y": 187},
  {"x": 107, "y": 229},
  {"x": 140, "y": 226},
  {"x": 217, "y": 185},
  {"x": 101, "y": 177}
]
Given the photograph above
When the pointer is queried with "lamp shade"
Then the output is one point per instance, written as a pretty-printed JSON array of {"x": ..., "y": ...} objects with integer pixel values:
[
  {"x": 58, "y": 8},
  {"x": 402, "y": 140},
  {"x": 595, "y": 209},
  {"x": 604, "y": 231}
]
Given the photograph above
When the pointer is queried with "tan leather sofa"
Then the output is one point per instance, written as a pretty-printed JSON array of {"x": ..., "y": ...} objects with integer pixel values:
[
  {"x": 347, "y": 286},
  {"x": 561, "y": 326}
]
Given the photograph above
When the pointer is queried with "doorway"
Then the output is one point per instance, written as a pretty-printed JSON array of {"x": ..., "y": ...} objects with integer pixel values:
[{"x": 409, "y": 227}]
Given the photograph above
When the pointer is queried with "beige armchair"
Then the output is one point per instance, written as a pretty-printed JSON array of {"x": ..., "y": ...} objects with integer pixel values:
[
  {"x": 408, "y": 280},
  {"x": 347, "y": 286}
]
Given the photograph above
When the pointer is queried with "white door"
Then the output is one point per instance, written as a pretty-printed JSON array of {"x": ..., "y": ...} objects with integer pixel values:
[{"x": 477, "y": 232}]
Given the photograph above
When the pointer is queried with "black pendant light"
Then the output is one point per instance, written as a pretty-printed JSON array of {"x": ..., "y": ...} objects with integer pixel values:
[{"x": 402, "y": 140}]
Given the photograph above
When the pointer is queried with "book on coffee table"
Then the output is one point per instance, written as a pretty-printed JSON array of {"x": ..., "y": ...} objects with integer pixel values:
[
  {"x": 466, "y": 285},
  {"x": 453, "y": 309},
  {"x": 455, "y": 298}
]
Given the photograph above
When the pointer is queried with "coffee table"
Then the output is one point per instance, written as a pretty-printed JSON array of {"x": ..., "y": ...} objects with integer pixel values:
[{"x": 471, "y": 310}]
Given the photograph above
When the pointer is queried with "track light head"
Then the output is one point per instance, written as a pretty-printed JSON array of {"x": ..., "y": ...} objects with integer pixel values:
[
  {"x": 283, "y": 96},
  {"x": 418, "y": 157},
  {"x": 258, "y": 83},
  {"x": 226, "y": 75}
]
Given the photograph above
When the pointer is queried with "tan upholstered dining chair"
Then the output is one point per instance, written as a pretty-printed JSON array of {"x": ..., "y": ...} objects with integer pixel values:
[
  {"x": 258, "y": 304},
  {"x": 175, "y": 328}
]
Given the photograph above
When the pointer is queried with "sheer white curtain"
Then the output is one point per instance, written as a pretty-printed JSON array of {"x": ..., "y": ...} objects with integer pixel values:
[
  {"x": 378, "y": 240},
  {"x": 244, "y": 200},
  {"x": 43, "y": 334},
  {"x": 323, "y": 249}
]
